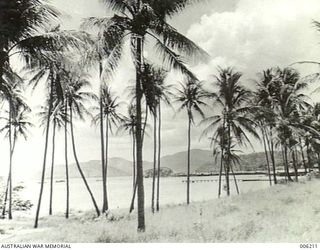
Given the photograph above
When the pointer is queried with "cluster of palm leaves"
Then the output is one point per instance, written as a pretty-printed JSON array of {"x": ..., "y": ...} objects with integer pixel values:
[
  {"x": 49, "y": 54},
  {"x": 61, "y": 60}
]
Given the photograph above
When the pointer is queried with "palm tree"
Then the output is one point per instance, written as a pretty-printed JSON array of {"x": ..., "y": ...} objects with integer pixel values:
[
  {"x": 26, "y": 30},
  {"x": 17, "y": 125},
  {"x": 288, "y": 99},
  {"x": 58, "y": 116},
  {"x": 265, "y": 115},
  {"x": 12, "y": 94},
  {"x": 155, "y": 91},
  {"x": 128, "y": 124},
  {"x": 231, "y": 126},
  {"x": 136, "y": 20},
  {"x": 110, "y": 105},
  {"x": 48, "y": 71},
  {"x": 76, "y": 96},
  {"x": 191, "y": 97}
]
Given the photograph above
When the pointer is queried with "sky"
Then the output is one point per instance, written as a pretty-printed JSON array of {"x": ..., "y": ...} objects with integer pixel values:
[{"x": 245, "y": 34}]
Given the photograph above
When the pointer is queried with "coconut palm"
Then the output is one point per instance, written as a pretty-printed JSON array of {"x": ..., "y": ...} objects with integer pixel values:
[
  {"x": 16, "y": 126},
  {"x": 137, "y": 20},
  {"x": 26, "y": 30},
  {"x": 57, "y": 117},
  {"x": 128, "y": 123},
  {"x": 76, "y": 96},
  {"x": 12, "y": 95},
  {"x": 110, "y": 113},
  {"x": 191, "y": 97},
  {"x": 288, "y": 100},
  {"x": 155, "y": 91},
  {"x": 47, "y": 71},
  {"x": 231, "y": 126},
  {"x": 265, "y": 115}
]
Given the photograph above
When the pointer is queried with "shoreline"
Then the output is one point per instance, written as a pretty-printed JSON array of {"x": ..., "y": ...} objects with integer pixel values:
[{"x": 248, "y": 217}]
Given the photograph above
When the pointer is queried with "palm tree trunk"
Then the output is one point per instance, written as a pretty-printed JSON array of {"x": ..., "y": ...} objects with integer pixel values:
[
  {"x": 222, "y": 160},
  {"x": 271, "y": 150},
  {"x": 134, "y": 182},
  {"x": 303, "y": 158},
  {"x": 235, "y": 180},
  {"x": 267, "y": 158},
  {"x": 145, "y": 122},
  {"x": 139, "y": 138},
  {"x": 102, "y": 155},
  {"x": 310, "y": 164},
  {"x": 52, "y": 167},
  {"x": 227, "y": 167},
  {"x": 66, "y": 160},
  {"x": 10, "y": 162},
  {"x": 287, "y": 163},
  {"x": 220, "y": 172},
  {"x": 318, "y": 156},
  {"x": 294, "y": 161},
  {"x": 134, "y": 175},
  {"x": 159, "y": 157},
  {"x": 5, "y": 198},
  {"x": 188, "y": 163},
  {"x": 45, "y": 152},
  {"x": 78, "y": 164},
  {"x": 133, "y": 198},
  {"x": 106, "y": 205},
  {"x": 154, "y": 160}
]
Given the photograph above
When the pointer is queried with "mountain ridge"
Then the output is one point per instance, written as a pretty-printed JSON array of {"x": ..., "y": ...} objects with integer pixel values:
[{"x": 201, "y": 162}]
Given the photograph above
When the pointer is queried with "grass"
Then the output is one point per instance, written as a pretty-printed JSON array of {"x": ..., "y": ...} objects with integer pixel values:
[{"x": 283, "y": 213}]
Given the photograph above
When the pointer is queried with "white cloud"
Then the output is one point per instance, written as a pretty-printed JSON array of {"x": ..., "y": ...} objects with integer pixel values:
[{"x": 258, "y": 34}]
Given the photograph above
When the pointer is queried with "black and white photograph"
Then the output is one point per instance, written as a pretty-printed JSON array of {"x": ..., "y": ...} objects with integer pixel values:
[{"x": 159, "y": 121}]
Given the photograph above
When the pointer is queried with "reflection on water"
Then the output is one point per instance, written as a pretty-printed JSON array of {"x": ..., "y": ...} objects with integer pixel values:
[{"x": 172, "y": 191}]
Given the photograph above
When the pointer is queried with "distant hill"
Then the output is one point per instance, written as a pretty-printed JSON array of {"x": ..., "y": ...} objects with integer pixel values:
[
  {"x": 117, "y": 167},
  {"x": 201, "y": 162},
  {"x": 178, "y": 162}
]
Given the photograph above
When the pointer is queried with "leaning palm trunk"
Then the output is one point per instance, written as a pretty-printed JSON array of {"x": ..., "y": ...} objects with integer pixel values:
[
  {"x": 106, "y": 204},
  {"x": 271, "y": 150},
  {"x": 159, "y": 159},
  {"x": 235, "y": 180},
  {"x": 139, "y": 138},
  {"x": 52, "y": 167},
  {"x": 5, "y": 198},
  {"x": 102, "y": 155},
  {"x": 188, "y": 163},
  {"x": 303, "y": 158},
  {"x": 66, "y": 160},
  {"x": 133, "y": 198},
  {"x": 267, "y": 157},
  {"x": 45, "y": 152},
  {"x": 154, "y": 160},
  {"x": 78, "y": 165},
  {"x": 134, "y": 182},
  {"x": 10, "y": 163}
]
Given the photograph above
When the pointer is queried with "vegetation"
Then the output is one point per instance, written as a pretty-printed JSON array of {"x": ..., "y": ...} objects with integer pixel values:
[{"x": 275, "y": 111}]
